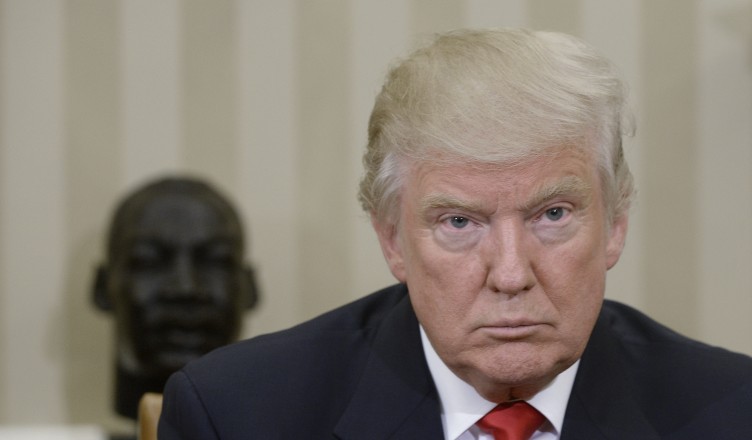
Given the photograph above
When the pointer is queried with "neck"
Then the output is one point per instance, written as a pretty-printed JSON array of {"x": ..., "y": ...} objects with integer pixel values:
[{"x": 129, "y": 387}]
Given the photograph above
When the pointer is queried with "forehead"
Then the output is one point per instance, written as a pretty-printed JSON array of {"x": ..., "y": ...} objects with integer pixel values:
[
  {"x": 561, "y": 170},
  {"x": 176, "y": 215}
]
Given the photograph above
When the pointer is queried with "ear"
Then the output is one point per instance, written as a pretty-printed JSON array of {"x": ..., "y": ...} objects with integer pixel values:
[
  {"x": 249, "y": 289},
  {"x": 388, "y": 235},
  {"x": 100, "y": 296},
  {"x": 616, "y": 238}
]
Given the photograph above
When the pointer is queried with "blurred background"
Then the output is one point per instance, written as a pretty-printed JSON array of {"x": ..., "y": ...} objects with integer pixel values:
[{"x": 269, "y": 100}]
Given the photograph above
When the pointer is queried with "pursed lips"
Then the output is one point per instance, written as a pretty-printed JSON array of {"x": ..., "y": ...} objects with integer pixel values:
[{"x": 512, "y": 328}]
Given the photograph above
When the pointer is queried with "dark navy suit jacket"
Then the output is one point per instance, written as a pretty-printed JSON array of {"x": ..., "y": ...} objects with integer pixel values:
[{"x": 359, "y": 372}]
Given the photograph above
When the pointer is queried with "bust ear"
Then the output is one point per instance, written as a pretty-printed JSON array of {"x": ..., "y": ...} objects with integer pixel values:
[
  {"x": 249, "y": 289},
  {"x": 100, "y": 297}
]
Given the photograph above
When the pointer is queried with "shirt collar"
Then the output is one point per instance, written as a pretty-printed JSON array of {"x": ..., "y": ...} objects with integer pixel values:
[{"x": 462, "y": 406}]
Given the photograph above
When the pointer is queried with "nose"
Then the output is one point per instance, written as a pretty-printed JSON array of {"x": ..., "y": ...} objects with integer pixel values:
[
  {"x": 184, "y": 283},
  {"x": 510, "y": 268}
]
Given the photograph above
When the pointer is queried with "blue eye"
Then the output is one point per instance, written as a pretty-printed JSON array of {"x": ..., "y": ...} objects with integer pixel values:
[
  {"x": 459, "y": 222},
  {"x": 554, "y": 214}
]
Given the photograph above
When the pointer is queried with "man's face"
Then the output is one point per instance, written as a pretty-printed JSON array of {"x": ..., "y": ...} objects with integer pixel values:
[
  {"x": 505, "y": 265},
  {"x": 175, "y": 280}
]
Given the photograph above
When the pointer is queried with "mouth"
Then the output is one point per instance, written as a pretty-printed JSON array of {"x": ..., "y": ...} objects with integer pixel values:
[
  {"x": 511, "y": 332},
  {"x": 186, "y": 339},
  {"x": 193, "y": 341}
]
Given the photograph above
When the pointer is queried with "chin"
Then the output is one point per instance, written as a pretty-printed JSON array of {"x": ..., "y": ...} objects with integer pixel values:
[
  {"x": 516, "y": 375},
  {"x": 173, "y": 361}
]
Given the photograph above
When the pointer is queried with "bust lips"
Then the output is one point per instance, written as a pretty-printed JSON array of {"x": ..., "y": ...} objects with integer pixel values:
[{"x": 179, "y": 334}]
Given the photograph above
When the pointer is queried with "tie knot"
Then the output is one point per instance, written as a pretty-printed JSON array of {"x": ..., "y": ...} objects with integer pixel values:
[{"x": 512, "y": 421}]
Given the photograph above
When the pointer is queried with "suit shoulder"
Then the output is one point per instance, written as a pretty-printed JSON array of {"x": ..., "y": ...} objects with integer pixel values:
[
  {"x": 327, "y": 332},
  {"x": 245, "y": 383},
  {"x": 647, "y": 336},
  {"x": 683, "y": 387},
  {"x": 675, "y": 365},
  {"x": 635, "y": 327}
]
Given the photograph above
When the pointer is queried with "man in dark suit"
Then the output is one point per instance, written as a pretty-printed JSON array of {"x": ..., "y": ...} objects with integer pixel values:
[{"x": 498, "y": 189}]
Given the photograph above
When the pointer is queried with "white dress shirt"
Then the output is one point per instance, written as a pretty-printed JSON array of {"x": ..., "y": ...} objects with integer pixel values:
[{"x": 462, "y": 406}]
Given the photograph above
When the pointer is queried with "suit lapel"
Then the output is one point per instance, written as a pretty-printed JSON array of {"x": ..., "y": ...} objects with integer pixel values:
[
  {"x": 601, "y": 405},
  {"x": 395, "y": 397}
]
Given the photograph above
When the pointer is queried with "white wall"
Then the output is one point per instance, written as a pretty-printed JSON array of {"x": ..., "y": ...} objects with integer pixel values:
[{"x": 269, "y": 99}]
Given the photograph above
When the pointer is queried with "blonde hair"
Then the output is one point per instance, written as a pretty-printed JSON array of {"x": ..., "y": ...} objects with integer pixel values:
[{"x": 495, "y": 96}]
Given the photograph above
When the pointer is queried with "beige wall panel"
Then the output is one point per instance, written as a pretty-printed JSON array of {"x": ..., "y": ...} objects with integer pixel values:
[
  {"x": 209, "y": 90},
  {"x": 493, "y": 13},
  {"x": 93, "y": 176},
  {"x": 562, "y": 16},
  {"x": 323, "y": 197},
  {"x": 428, "y": 17},
  {"x": 670, "y": 262},
  {"x": 267, "y": 173},
  {"x": 724, "y": 166},
  {"x": 4, "y": 47},
  {"x": 151, "y": 88},
  {"x": 613, "y": 27},
  {"x": 380, "y": 32},
  {"x": 33, "y": 223}
]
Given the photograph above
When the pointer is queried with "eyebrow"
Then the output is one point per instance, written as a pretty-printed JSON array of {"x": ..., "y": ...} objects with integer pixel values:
[
  {"x": 569, "y": 185},
  {"x": 446, "y": 201}
]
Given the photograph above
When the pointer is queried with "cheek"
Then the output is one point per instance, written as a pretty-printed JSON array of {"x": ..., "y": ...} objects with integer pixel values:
[
  {"x": 224, "y": 289},
  {"x": 576, "y": 292},
  {"x": 142, "y": 290},
  {"x": 442, "y": 288},
  {"x": 574, "y": 276},
  {"x": 432, "y": 269}
]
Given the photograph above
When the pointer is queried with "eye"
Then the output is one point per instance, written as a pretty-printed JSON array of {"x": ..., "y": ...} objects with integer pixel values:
[
  {"x": 458, "y": 222},
  {"x": 555, "y": 214},
  {"x": 556, "y": 223},
  {"x": 146, "y": 255},
  {"x": 221, "y": 254}
]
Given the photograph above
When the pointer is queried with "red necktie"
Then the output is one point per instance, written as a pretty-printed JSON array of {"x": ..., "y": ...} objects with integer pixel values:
[{"x": 512, "y": 421}]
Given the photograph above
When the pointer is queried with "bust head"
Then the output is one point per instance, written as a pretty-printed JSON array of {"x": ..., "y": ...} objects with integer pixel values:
[{"x": 174, "y": 278}]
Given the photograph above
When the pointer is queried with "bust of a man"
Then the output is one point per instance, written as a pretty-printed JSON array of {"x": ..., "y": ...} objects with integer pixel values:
[{"x": 175, "y": 281}]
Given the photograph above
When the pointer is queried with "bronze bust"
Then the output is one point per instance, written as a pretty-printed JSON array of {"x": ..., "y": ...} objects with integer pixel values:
[{"x": 175, "y": 281}]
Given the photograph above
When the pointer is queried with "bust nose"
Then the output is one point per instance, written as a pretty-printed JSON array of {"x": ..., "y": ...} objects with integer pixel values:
[{"x": 184, "y": 283}]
